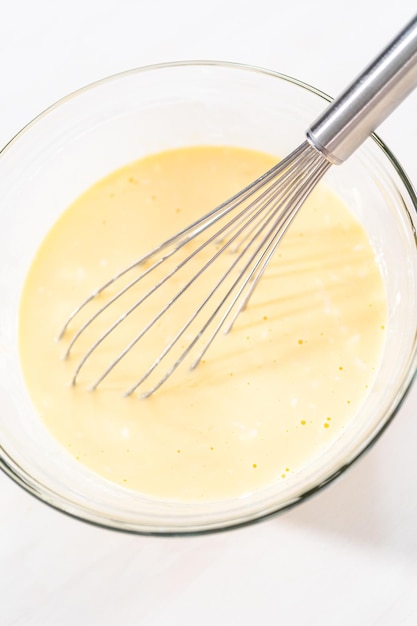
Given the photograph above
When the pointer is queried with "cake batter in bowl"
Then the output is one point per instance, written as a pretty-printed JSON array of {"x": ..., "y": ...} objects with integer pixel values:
[{"x": 205, "y": 471}]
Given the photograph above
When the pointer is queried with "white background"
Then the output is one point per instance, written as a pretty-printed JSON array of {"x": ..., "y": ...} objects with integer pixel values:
[{"x": 347, "y": 557}]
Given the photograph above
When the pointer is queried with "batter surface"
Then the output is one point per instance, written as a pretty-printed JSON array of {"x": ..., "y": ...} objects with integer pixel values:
[{"x": 267, "y": 398}]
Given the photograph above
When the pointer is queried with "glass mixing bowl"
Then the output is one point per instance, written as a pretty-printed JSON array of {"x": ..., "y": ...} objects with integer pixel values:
[{"x": 102, "y": 127}]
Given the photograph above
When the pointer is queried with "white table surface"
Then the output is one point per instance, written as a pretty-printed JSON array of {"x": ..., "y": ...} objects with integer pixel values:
[{"x": 348, "y": 556}]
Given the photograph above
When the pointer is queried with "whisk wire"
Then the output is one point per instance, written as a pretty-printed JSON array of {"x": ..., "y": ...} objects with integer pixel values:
[
  {"x": 266, "y": 196},
  {"x": 159, "y": 284},
  {"x": 256, "y": 220}
]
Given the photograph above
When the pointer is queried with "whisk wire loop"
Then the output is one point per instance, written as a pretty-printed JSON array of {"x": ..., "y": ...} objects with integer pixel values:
[
  {"x": 243, "y": 213},
  {"x": 256, "y": 220}
]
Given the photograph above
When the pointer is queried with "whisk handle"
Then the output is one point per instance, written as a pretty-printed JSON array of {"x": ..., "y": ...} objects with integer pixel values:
[{"x": 360, "y": 108}]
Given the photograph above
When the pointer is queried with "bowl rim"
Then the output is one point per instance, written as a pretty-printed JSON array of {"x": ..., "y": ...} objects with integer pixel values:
[{"x": 79, "y": 512}]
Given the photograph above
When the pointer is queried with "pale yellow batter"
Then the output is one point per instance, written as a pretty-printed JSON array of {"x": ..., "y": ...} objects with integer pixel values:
[{"x": 268, "y": 397}]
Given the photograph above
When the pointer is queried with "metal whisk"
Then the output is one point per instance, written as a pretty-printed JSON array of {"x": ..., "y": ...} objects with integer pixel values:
[{"x": 252, "y": 223}]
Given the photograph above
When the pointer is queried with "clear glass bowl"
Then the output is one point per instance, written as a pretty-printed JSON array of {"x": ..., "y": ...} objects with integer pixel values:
[{"x": 97, "y": 129}]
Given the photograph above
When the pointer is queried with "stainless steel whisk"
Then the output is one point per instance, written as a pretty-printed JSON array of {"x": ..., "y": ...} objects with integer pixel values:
[{"x": 252, "y": 223}]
